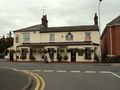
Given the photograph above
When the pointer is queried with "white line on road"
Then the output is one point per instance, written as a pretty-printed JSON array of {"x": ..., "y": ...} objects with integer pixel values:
[
  {"x": 104, "y": 72},
  {"x": 36, "y": 70},
  {"x": 75, "y": 71},
  {"x": 90, "y": 71},
  {"x": 61, "y": 71},
  {"x": 115, "y": 75},
  {"x": 48, "y": 70}
]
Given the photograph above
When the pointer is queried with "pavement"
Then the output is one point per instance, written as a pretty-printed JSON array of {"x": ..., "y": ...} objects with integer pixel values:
[{"x": 14, "y": 80}]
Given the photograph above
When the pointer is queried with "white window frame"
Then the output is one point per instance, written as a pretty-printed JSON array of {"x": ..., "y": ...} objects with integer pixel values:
[
  {"x": 26, "y": 37},
  {"x": 52, "y": 37},
  {"x": 17, "y": 39}
]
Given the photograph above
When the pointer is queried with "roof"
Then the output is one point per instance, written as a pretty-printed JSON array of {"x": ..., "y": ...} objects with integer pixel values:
[
  {"x": 115, "y": 21},
  {"x": 57, "y": 44},
  {"x": 59, "y": 29}
]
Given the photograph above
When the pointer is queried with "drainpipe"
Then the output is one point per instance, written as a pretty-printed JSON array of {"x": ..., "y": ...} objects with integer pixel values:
[{"x": 110, "y": 41}]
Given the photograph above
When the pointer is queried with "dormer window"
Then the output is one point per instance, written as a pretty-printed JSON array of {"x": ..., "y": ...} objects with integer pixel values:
[{"x": 69, "y": 37}]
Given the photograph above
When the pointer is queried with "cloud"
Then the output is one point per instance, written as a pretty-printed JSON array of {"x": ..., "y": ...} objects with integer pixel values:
[{"x": 16, "y": 14}]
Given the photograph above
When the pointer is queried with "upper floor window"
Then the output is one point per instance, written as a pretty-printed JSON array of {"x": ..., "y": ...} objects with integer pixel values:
[
  {"x": 87, "y": 36},
  {"x": 17, "y": 39},
  {"x": 26, "y": 37},
  {"x": 69, "y": 37},
  {"x": 52, "y": 37}
]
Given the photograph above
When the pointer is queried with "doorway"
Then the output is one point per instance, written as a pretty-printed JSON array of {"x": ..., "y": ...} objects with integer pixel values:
[
  {"x": 11, "y": 55},
  {"x": 73, "y": 55}
]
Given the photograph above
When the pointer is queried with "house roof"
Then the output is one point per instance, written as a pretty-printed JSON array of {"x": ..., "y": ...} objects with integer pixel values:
[
  {"x": 115, "y": 21},
  {"x": 57, "y": 44},
  {"x": 59, "y": 29}
]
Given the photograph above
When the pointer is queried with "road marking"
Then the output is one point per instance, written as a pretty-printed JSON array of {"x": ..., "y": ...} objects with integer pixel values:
[
  {"x": 90, "y": 71},
  {"x": 42, "y": 80},
  {"x": 75, "y": 71},
  {"x": 37, "y": 80},
  {"x": 115, "y": 75},
  {"x": 104, "y": 72},
  {"x": 48, "y": 70},
  {"x": 36, "y": 70},
  {"x": 61, "y": 71}
]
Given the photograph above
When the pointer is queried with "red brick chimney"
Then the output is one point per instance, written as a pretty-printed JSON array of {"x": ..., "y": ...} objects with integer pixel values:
[
  {"x": 95, "y": 19},
  {"x": 44, "y": 21}
]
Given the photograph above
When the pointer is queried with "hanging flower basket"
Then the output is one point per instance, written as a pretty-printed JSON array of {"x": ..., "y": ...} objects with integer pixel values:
[
  {"x": 61, "y": 50},
  {"x": 45, "y": 51},
  {"x": 17, "y": 57},
  {"x": 53, "y": 50},
  {"x": 65, "y": 57},
  {"x": 17, "y": 51},
  {"x": 39, "y": 51},
  {"x": 68, "y": 50}
]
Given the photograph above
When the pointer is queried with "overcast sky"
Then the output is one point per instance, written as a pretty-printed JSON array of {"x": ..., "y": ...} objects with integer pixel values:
[{"x": 17, "y": 14}]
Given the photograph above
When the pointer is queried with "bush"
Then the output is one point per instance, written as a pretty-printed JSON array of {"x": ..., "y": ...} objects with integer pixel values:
[
  {"x": 22, "y": 57},
  {"x": 115, "y": 59},
  {"x": 45, "y": 51},
  {"x": 17, "y": 57},
  {"x": 32, "y": 57}
]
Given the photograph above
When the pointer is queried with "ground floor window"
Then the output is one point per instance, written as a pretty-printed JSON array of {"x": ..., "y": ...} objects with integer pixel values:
[
  {"x": 24, "y": 53},
  {"x": 80, "y": 52}
]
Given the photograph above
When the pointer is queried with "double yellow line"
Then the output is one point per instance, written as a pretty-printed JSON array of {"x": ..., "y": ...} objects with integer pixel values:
[{"x": 38, "y": 78}]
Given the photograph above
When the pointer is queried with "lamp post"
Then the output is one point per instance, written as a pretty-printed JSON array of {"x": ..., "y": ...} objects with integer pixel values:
[
  {"x": 99, "y": 14},
  {"x": 99, "y": 25}
]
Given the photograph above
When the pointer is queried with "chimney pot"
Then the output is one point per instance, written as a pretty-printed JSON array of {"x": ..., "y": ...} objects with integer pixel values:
[{"x": 95, "y": 19}]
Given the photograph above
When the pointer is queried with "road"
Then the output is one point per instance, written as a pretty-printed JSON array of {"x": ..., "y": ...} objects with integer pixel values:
[
  {"x": 12, "y": 80},
  {"x": 72, "y": 76}
]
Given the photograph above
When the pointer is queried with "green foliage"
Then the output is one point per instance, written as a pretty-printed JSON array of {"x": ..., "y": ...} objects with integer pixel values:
[
  {"x": 6, "y": 43},
  {"x": 65, "y": 57}
]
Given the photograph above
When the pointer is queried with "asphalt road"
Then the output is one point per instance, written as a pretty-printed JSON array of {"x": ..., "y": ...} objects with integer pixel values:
[
  {"x": 73, "y": 76},
  {"x": 12, "y": 80}
]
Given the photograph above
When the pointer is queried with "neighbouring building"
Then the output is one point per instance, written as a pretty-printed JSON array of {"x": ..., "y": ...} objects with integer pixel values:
[
  {"x": 111, "y": 39},
  {"x": 63, "y": 44}
]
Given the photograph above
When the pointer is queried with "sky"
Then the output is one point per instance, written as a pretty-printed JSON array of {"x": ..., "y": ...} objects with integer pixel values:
[{"x": 17, "y": 14}]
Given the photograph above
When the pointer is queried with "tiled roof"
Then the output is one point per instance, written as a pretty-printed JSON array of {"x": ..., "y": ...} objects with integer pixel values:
[
  {"x": 115, "y": 21},
  {"x": 60, "y": 29},
  {"x": 58, "y": 44}
]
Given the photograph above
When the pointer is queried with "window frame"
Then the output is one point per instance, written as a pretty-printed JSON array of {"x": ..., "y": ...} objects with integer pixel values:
[
  {"x": 17, "y": 39},
  {"x": 51, "y": 37},
  {"x": 69, "y": 36},
  {"x": 26, "y": 37}
]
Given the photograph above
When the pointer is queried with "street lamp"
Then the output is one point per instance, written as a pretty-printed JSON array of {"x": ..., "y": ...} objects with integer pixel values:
[
  {"x": 99, "y": 14},
  {"x": 99, "y": 28}
]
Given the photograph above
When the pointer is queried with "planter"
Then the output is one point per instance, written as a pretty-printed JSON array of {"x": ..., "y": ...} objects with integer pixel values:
[{"x": 65, "y": 57}]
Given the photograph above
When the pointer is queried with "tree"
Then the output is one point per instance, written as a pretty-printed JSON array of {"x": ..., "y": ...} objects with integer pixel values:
[{"x": 6, "y": 42}]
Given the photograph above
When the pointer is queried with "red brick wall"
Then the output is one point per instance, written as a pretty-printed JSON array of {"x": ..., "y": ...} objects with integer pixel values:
[
  {"x": 117, "y": 40},
  {"x": 115, "y": 33}
]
